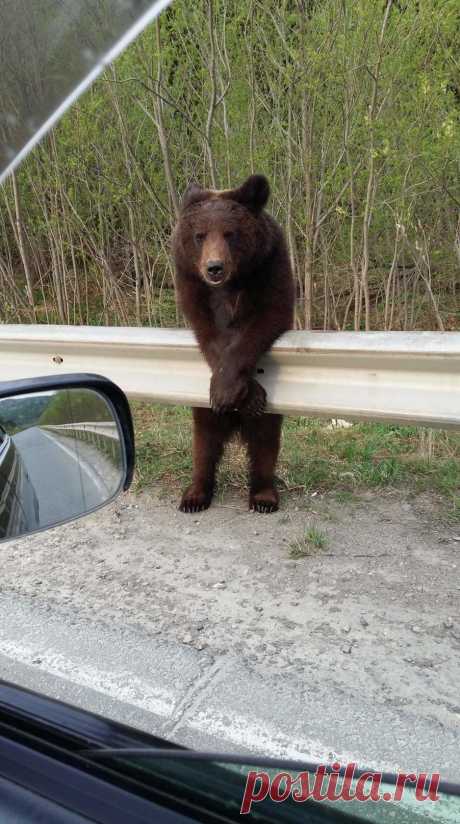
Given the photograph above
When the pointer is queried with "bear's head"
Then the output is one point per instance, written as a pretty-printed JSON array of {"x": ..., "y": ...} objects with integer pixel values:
[{"x": 220, "y": 234}]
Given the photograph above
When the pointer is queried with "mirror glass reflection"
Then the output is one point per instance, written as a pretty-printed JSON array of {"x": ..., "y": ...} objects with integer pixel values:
[{"x": 61, "y": 456}]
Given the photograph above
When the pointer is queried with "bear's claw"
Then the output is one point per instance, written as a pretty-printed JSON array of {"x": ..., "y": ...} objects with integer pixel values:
[
  {"x": 254, "y": 404},
  {"x": 226, "y": 394},
  {"x": 265, "y": 501},
  {"x": 264, "y": 509},
  {"x": 193, "y": 501}
]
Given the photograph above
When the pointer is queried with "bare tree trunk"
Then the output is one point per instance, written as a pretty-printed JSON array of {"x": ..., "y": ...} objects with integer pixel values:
[
  {"x": 224, "y": 84},
  {"x": 18, "y": 226},
  {"x": 422, "y": 264},
  {"x": 389, "y": 286},
  {"x": 290, "y": 193},
  {"x": 21, "y": 241},
  {"x": 213, "y": 96},
  {"x": 162, "y": 136},
  {"x": 252, "y": 82},
  {"x": 307, "y": 150},
  {"x": 371, "y": 179},
  {"x": 129, "y": 205}
]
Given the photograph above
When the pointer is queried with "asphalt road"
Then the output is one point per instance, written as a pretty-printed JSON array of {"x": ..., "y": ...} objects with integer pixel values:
[
  {"x": 209, "y": 702},
  {"x": 204, "y": 631}
]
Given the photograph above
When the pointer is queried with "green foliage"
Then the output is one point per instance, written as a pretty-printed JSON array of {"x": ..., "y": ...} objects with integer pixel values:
[
  {"x": 313, "y": 459},
  {"x": 21, "y": 412},
  {"x": 163, "y": 444},
  {"x": 75, "y": 406},
  {"x": 312, "y": 542},
  {"x": 369, "y": 456}
]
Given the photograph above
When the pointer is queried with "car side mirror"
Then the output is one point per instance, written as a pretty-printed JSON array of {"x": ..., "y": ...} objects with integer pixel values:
[{"x": 66, "y": 449}]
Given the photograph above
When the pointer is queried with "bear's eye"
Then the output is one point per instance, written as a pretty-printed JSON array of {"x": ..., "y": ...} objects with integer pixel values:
[{"x": 200, "y": 236}]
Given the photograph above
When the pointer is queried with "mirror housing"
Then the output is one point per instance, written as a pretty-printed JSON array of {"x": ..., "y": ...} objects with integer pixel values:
[{"x": 66, "y": 449}]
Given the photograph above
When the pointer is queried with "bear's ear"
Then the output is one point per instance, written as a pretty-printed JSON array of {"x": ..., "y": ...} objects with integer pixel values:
[
  {"x": 192, "y": 194},
  {"x": 253, "y": 194}
]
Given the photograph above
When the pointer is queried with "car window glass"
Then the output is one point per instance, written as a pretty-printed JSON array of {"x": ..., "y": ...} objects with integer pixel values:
[{"x": 50, "y": 51}]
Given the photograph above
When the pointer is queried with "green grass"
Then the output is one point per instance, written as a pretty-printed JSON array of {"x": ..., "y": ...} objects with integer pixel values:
[
  {"x": 163, "y": 445},
  {"x": 313, "y": 458},
  {"x": 312, "y": 542}
]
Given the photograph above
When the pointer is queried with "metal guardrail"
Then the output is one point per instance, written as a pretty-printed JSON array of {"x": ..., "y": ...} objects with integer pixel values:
[
  {"x": 408, "y": 377},
  {"x": 107, "y": 429},
  {"x": 104, "y": 436}
]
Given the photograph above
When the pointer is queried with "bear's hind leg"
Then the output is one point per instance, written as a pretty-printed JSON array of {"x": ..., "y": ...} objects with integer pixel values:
[
  {"x": 262, "y": 436},
  {"x": 210, "y": 431}
]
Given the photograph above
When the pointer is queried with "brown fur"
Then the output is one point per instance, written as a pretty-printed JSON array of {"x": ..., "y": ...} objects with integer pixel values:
[{"x": 236, "y": 289}]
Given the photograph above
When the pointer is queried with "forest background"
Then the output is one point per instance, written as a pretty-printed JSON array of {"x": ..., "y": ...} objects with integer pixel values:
[{"x": 350, "y": 107}]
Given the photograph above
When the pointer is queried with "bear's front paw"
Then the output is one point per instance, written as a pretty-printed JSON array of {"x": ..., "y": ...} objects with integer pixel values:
[
  {"x": 255, "y": 402},
  {"x": 266, "y": 500},
  {"x": 195, "y": 499},
  {"x": 227, "y": 393}
]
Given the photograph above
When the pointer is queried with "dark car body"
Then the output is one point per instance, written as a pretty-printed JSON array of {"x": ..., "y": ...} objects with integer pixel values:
[
  {"x": 51, "y": 770},
  {"x": 19, "y": 509}
]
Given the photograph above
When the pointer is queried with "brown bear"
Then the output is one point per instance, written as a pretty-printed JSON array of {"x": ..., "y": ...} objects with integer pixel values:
[{"x": 235, "y": 286}]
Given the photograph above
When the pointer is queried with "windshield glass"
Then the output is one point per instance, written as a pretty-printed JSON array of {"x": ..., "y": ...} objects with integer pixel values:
[
  {"x": 283, "y": 794},
  {"x": 50, "y": 51}
]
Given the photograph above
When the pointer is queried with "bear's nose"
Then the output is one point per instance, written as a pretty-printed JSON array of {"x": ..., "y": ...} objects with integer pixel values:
[{"x": 215, "y": 268}]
